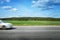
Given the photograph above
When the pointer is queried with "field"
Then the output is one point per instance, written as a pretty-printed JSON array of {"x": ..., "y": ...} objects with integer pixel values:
[{"x": 31, "y": 23}]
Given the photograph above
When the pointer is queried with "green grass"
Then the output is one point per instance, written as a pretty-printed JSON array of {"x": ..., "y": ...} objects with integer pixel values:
[{"x": 24, "y": 23}]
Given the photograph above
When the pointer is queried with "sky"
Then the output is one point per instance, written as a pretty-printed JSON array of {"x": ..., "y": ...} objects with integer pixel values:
[{"x": 29, "y": 8}]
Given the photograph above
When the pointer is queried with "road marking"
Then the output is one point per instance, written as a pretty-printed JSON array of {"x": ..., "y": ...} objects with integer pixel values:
[{"x": 30, "y": 31}]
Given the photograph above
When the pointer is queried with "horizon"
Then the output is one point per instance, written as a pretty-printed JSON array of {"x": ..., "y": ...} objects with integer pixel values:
[{"x": 28, "y": 17}]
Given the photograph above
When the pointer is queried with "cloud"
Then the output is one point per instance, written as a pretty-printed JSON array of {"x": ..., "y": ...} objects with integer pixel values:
[
  {"x": 14, "y": 9},
  {"x": 3, "y": 1},
  {"x": 7, "y": 0},
  {"x": 9, "y": 8},
  {"x": 6, "y": 7},
  {"x": 45, "y": 4},
  {"x": 33, "y": 2}
]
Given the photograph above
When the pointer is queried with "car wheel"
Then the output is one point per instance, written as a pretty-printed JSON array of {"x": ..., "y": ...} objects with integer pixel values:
[{"x": 3, "y": 27}]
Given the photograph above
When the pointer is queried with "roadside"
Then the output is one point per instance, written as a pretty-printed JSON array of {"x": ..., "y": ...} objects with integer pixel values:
[{"x": 40, "y": 26}]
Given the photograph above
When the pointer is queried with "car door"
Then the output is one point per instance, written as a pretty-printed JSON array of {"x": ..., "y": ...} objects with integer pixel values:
[{"x": 1, "y": 25}]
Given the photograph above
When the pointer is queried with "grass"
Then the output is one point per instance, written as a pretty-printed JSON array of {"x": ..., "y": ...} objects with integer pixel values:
[{"x": 31, "y": 23}]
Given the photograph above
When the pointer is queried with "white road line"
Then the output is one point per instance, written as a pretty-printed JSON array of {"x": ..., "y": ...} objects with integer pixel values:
[{"x": 31, "y": 31}]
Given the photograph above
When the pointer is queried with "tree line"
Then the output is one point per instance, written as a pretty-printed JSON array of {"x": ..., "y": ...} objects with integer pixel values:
[{"x": 32, "y": 18}]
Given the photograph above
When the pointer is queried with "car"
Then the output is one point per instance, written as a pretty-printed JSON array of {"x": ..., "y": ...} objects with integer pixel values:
[{"x": 4, "y": 25}]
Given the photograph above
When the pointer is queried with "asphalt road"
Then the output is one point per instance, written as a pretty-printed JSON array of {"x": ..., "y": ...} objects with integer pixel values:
[{"x": 31, "y": 33}]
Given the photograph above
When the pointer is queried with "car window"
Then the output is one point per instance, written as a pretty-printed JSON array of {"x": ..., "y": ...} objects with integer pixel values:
[{"x": 1, "y": 21}]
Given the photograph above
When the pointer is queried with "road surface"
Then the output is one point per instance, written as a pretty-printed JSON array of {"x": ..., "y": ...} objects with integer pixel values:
[{"x": 31, "y": 33}]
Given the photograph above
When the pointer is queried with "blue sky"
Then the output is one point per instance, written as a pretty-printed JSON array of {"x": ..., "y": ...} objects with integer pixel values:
[{"x": 29, "y": 8}]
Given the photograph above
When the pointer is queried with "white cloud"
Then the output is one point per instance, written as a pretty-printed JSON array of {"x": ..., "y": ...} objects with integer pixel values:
[
  {"x": 10, "y": 8},
  {"x": 3, "y": 1},
  {"x": 40, "y": 3},
  {"x": 7, "y": 0},
  {"x": 6, "y": 7},
  {"x": 56, "y": 1},
  {"x": 33, "y": 1},
  {"x": 14, "y": 9},
  {"x": 45, "y": 3}
]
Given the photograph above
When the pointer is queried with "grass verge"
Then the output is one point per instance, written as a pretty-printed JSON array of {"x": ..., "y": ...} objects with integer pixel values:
[{"x": 32, "y": 23}]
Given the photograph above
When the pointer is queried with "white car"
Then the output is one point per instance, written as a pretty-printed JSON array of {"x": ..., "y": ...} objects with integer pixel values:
[{"x": 4, "y": 25}]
